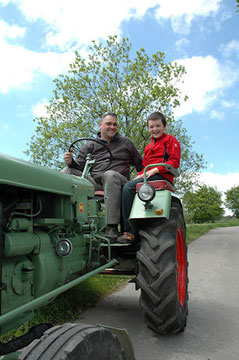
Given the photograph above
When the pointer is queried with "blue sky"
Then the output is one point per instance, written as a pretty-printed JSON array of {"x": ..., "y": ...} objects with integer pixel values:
[{"x": 38, "y": 40}]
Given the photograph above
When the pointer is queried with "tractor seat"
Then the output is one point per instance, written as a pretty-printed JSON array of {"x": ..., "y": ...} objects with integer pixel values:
[
  {"x": 158, "y": 185},
  {"x": 99, "y": 193}
]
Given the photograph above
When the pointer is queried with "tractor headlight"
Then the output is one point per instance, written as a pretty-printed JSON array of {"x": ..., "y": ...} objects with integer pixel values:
[
  {"x": 63, "y": 247},
  {"x": 146, "y": 192}
]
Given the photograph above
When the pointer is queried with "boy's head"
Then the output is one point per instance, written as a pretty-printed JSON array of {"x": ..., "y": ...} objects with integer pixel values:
[{"x": 156, "y": 124}]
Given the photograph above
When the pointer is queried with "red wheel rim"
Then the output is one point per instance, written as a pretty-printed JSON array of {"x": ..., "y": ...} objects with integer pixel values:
[{"x": 181, "y": 268}]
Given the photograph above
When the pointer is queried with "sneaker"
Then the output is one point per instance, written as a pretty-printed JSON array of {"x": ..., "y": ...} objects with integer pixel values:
[
  {"x": 112, "y": 233},
  {"x": 126, "y": 238}
]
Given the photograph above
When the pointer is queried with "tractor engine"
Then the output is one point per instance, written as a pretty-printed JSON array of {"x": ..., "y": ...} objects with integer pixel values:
[{"x": 45, "y": 232}]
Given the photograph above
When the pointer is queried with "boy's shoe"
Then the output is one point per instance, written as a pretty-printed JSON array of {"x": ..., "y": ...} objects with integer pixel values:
[
  {"x": 112, "y": 233},
  {"x": 126, "y": 238}
]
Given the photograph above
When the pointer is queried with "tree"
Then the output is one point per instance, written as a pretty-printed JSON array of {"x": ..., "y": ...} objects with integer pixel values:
[
  {"x": 203, "y": 205},
  {"x": 237, "y": 1},
  {"x": 110, "y": 79},
  {"x": 232, "y": 200}
]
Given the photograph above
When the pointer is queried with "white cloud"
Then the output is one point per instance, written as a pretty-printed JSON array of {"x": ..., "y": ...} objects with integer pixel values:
[
  {"x": 190, "y": 8},
  {"x": 216, "y": 114},
  {"x": 72, "y": 24},
  {"x": 5, "y": 2},
  {"x": 222, "y": 182},
  {"x": 181, "y": 43},
  {"x": 75, "y": 22},
  {"x": 10, "y": 32},
  {"x": 181, "y": 13},
  {"x": 19, "y": 67},
  {"x": 39, "y": 109},
  {"x": 204, "y": 82},
  {"x": 230, "y": 104},
  {"x": 230, "y": 49}
]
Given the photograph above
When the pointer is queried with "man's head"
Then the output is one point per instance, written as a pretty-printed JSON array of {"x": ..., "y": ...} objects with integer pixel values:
[
  {"x": 156, "y": 124},
  {"x": 108, "y": 126}
]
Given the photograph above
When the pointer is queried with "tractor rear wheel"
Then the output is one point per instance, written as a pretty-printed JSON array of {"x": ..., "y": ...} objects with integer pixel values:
[
  {"x": 75, "y": 341},
  {"x": 162, "y": 274}
]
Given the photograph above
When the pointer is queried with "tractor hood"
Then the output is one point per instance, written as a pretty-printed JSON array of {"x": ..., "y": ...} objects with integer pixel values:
[{"x": 20, "y": 173}]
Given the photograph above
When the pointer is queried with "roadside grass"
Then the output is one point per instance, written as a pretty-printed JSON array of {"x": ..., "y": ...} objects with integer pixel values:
[
  {"x": 194, "y": 231},
  {"x": 69, "y": 306}
]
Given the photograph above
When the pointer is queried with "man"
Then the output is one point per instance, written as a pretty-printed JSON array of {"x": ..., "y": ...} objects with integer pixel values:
[{"x": 124, "y": 154}]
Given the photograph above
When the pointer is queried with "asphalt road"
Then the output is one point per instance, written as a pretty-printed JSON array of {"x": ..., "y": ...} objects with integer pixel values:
[{"x": 212, "y": 331}]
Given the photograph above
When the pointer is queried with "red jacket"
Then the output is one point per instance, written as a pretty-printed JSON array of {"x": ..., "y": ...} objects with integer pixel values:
[{"x": 165, "y": 149}]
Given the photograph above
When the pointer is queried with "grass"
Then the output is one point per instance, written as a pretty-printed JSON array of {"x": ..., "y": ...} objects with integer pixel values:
[
  {"x": 194, "y": 231},
  {"x": 68, "y": 306}
]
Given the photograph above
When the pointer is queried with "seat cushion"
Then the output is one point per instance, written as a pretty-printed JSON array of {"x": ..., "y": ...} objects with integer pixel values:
[
  {"x": 99, "y": 193},
  {"x": 158, "y": 185}
]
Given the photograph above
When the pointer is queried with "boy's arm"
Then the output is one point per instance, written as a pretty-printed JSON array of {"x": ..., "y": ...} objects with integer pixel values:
[{"x": 174, "y": 151}]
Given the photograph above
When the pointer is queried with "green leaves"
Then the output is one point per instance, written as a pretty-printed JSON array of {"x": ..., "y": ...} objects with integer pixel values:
[
  {"x": 232, "y": 200},
  {"x": 203, "y": 205},
  {"x": 111, "y": 78}
]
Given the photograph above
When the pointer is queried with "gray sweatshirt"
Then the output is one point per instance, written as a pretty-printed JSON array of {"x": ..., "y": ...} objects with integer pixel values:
[{"x": 124, "y": 155}]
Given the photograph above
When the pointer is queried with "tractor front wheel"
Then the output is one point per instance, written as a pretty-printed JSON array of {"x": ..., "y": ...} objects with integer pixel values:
[
  {"x": 75, "y": 341},
  {"x": 162, "y": 275}
]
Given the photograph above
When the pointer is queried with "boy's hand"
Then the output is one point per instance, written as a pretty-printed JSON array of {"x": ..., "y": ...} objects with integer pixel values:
[
  {"x": 149, "y": 173},
  {"x": 152, "y": 172}
]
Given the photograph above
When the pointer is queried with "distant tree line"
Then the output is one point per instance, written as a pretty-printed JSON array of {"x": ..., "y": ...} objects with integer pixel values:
[{"x": 205, "y": 204}]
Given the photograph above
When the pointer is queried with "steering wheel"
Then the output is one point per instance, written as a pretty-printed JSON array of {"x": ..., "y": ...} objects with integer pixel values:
[{"x": 76, "y": 148}]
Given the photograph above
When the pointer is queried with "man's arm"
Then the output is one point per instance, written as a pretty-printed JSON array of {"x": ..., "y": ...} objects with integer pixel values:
[
  {"x": 136, "y": 158},
  {"x": 79, "y": 161}
]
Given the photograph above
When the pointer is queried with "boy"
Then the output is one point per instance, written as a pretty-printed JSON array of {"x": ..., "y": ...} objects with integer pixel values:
[{"x": 162, "y": 149}]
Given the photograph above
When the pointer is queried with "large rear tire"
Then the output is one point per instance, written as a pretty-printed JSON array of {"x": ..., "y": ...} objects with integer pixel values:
[
  {"x": 163, "y": 274},
  {"x": 73, "y": 342}
]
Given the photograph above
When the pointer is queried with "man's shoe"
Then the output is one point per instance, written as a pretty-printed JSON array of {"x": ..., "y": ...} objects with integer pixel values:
[
  {"x": 126, "y": 238},
  {"x": 112, "y": 233}
]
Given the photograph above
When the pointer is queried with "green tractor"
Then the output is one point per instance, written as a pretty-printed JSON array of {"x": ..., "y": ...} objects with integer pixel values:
[{"x": 52, "y": 238}]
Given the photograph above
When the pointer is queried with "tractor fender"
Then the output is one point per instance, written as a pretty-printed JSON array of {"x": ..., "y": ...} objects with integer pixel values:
[{"x": 159, "y": 207}]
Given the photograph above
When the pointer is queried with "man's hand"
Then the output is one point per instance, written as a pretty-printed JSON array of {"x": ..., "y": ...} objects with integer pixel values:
[{"x": 68, "y": 156}]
